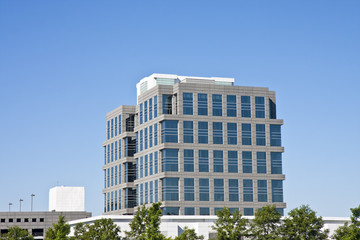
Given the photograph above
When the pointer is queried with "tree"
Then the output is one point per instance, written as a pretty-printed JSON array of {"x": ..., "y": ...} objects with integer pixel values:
[
  {"x": 350, "y": 231},
  {"x": 59, "y": 230},
  {"x": 137, "y": 225},
  {"x": 266, "y": 224},
  {"x": 102, "y": 229},
  {"x": 17, "y": 233},
  {"x": 230, "y": 226},
  {"x": 189, "y": 234},
  {"x": 303, "y": 224}
]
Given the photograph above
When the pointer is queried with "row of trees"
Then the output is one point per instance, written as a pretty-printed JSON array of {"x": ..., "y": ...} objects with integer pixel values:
[{"x": 301, "y": 224}]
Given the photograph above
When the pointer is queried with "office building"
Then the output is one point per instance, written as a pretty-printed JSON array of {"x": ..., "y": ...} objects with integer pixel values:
[{"x": 195, "y": 144}]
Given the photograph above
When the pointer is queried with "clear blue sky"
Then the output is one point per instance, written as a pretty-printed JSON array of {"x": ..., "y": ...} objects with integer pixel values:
[{"x": 65, "y": 64}]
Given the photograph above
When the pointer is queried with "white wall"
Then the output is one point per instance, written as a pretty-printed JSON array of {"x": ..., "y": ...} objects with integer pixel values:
[{"x": 64, "y": 199}]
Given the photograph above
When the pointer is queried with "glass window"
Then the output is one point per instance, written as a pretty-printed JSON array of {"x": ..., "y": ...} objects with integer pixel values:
[
  {"x": 232, "y": 161},
  {"x": 108, "y": 177},
  {"x": 167, "y": 104},
  {"x": 170, "y": 160},
  {"x": 146, "y": 166},
  {"x": 141, "y": 167},
  {"x": 188, "y": 160},
  {"x": 203, "y": 132},
  {"x": 108, "y": 129},
  {"x": 187, "y": 103},
  {"x": 272, "y": 109},
  {"x": 155, "y": 134},
  {"x": 247, "y": 161},
  {"x": 245, "y": 106},
  {"x": 119, "y": 173},
  {"x": 141, "y": 140},
  {"x": 188, "y": 128},
  {"x": 248, "y": 190},
  {"x": 203, "y": 161},
  {"x": 137, "y": 142},
  {"x": 189, "y": 189},
  {"x": 261, "y": 162},
  {"x": 141, "y": 113},
  {"x": 156, "y": 191},
  {"x": 259, "y": 107},
  {"x": 217, "y": 209},
  {"x": 233, "y": 190},
  {"x": 146, "y": 138},
  {"x": 260, "y": 135},
  {"x": 155, "y": 106},
  {"x": 246, "y": 133},
  {"x": 204, "y": 189},
  {"x": 112, "y": 176},
  {"x": 146, "y": 193},
  {"x": 151, "y": 193},
  {"x": 170, "y": 131},
  {"x": 170, "y": 189},
  {"x": 116, "y": 150},
  {"x": 116, "y": 126},
  {"x": 142, "y": 194},
  {"x": 204, "y": 211},
  {"x": 116, "y": 174},
  {"x": 108, "y": 153},
  {"x": 150, "y": 136},
  {"x": 112, "y": 128},
  {"x": 277, "y": 190},
  {"x": 171, "y": 210},
  {"x": 156, "y": 163},
  {"x": 275, "y": 135},
  {"x": 112, "y": 152},
  {"x": 232, "y": 133},
  {"x": 217, "y": 133},
  {"x": 151, "y": 164},
  {"x": 145, "y": 111},
  {"x": 189, "y": 210},
  {"x": 262, "y": 191},
  {"x": 119, "y": 124},
  {"x": 280, "y": 210},
  {"x": 217, "y": 105},
  {"x": 150, "y": 108},
  {"x": 202, "y": 104},
  {"x": 231, "y": 105},
  {"x": 218, "y": 160},
  {"x": 219, "y": 189},
  {"x": 248, "y": 212},
  {"x": 276, "y": 162}
]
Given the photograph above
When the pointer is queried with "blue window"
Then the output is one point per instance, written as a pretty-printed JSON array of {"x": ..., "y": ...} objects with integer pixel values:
[
  {"x": 141, "y": 113},
  {"x": 108, "y": 130},
  {"x": 245, "y": 106},
  {"x": 156, "y": 191},
  {"x": 247, "y": 161},
  {"x": 189, "y": 210},
  {"x": 145, "y": 111},
  {"x": 260, "y": 135},
  {"x": 233, "y": 190},
  {"x": 137, "y": 168},
  {"x": 188, "y": 131},
  {"x": 150, "y": 108},
  {"x": 155, "y": 134},
  {"x": 155, "y": 106},
  {"x": 218, "y": 161},
  {"x": 108, "y": 177},
  {"x": 248, "y": 212},
  {"x": 203, "y": 132},
  {"x": 262, "y": 191},
  {"x": 116, "y": 174},
  {"x": 275, "y": 135},
  {"x": 112, "y": 152},
  {"x": 217, "y": 105},
  {"x": 108, "y": 153},
  {"x": 232, "y": 133},
  {"x": 204, "y": 189},
  {"x": 276, "y": 163},
  {"x": 119, "y": 173},
  {"x": 231, "y": 105},
  {"x": 167, "y": 104},
  {"x": 112, "y": 176},
  {"x": 146, "y": 138},
  {"x": 116, "y": 200},
  {"x": 246, "y": 133},
  {"x": 171, "y": 210},
  {"x": 116, "y": 126},
  {"x": 119, "y": 124},
  {"x": 146, "y": 192},
  {"x": 137, "y": 142},
  {"x": 187, "y": 103},
  {"x": 119, "y": 149},
  {"x": 277, "y": 190},
  {"x": 170, "y": 160},
  {"x": 151, "y": 164},
  {"x": 280, "y": 210},
  {"x": 112, "y": 128},
  {"x": 188, "y": 160},
  {"x": 202, "y": 104},
  {"x": 112, "y": 201},
  {"x": 151, "y": 192},
  {"x": 141, "y": 167},
  {"x": 116, "y": 150},
  {"x": 141, "y": 193},
  {"x": 248, "y": 190},
  {"x": 141, "y": 140},
  {"x": 146, "y": 166},
  {"x": 170, "y": 189},
  {"x": 204, "y": 211},
  {"x": 170, "y": 131},
  {"x": 203, "y": 161},
  {"x": 261, "y": 162},
  {"x": 217, "y": 133},
  {"x": 259, "y": 107},
  {"x": 219, "y": 189},
  {"x": 272, "y": 109},
  {"x": 156, "y": 163},
  {"x": 232, "y": 161},
  {"x": 150, "y": 136},
  {"x": 189, "y": 189},
  {"x": 105, "y": 154}
]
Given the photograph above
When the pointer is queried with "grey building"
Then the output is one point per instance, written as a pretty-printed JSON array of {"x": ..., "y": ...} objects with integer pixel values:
[{"x": 195, "y": 144}]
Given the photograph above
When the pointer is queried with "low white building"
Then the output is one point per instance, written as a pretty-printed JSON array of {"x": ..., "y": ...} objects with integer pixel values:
[
  {"x": 62, "y": 199},
  {"x": 172, "y": 226}
]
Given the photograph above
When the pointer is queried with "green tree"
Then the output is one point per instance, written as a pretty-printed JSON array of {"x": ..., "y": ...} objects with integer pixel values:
[
  {"x": 137, "y": 225},
  {"x": 102, "y": 229},
  {"x": 59, "y": 230},
  {"x": 230, "y": 226},
  {"x": 189, "y": 234},
  {"x": 266, "y": 224},
  {"x": 350, "y": 231},
  {"x": 303, "y": 224},
  {"x": 17, "y": 233}
]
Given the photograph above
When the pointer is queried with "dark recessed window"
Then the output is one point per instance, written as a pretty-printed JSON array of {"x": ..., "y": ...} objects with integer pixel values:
[
  {"x": 11, "y": 220},
  {"x": 18, "y": 220},
  {"x": 41, "y": 219},
  {"x": 3, "y": 220},
  {"x": 26, "y": 220},
  {"x": 33, "y": 220}
]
